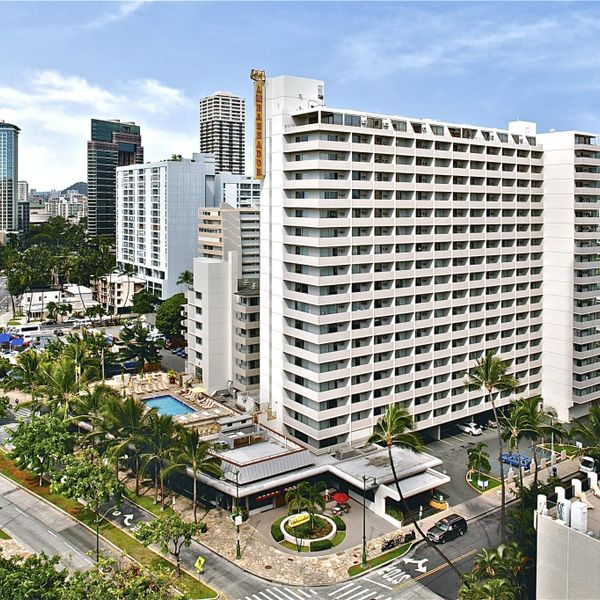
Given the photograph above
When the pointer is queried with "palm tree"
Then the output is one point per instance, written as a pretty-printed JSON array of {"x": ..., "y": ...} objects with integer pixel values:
[
  {"x": 126, "y": 421},
  {"x": 539, "y": 422},
  {"x": 160, "y": 442},
  {"x": 478, "y": 459},
  {"x": 307, "y": 497},
  {"x": 589, "y": 432},
  {"x": 64, "y": 309},
  {"x": 512, "y": 427},
  {"x": 394, "y": 428},
  {"x": 186, "y": 278},
  {"x": 78, "y": 350},
  {"x": 52, "y": 310},
  {"x": 489, "y": 373},
  {"x": 473, "y": 588},
  {"x": 191, "y": 451},
  {"x": 27, "y": 373},
  {"x": 89, "y": 405},
  {"x": 496, "y": 574},
  {"x": 61, "y": 385}
]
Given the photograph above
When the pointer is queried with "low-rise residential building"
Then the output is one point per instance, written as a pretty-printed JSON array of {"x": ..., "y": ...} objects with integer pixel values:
[
  {"x": 35, "y": 303},
  {"x": 115, "y": 291}
]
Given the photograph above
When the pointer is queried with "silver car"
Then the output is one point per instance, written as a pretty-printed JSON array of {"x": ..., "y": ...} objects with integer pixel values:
[{"x": 470, "y": 428}]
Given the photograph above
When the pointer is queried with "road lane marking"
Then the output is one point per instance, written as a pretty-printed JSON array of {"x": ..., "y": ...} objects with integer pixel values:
[
  {"x": 445, "y": 565},
  {"x": 53, "y": 534},
  {"x": 23, "y": 513},
  {"x": 387, "y": 587}
]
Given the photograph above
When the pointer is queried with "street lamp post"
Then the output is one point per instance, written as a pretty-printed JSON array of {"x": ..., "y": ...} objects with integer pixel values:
[
  {"x": 365, "y": 479},
  {"x": 99, "y": 518},
  {"x": 238, "y": 550}
]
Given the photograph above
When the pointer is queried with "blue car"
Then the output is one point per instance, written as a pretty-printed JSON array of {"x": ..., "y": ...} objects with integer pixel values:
[{"x": 515, "y": 459}]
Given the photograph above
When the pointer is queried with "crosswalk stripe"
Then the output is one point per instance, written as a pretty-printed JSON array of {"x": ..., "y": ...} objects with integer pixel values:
[
  {"x": 305, "y": 594},
  {"x": 340, "y": 589},
  {"x": 281, "y": 595},
  {"x": 293, "y": 593},
  {"x": 314, "y": 592},
  {"x": 361, "y": 594},
  {"x": 351, "y": 593}
]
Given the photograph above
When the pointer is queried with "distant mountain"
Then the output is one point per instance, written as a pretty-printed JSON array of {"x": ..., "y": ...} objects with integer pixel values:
[{"x": 80, "y": 187}]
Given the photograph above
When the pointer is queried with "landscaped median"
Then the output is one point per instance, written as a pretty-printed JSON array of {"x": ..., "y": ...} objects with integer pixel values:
[
  {"x": 379, "y": 560},
  {"x": 489, "y": 482},
  {"x": 129, "y": 545}
]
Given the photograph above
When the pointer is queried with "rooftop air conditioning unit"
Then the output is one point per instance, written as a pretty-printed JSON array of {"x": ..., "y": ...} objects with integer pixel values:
[{"x": 344, "y": 453}]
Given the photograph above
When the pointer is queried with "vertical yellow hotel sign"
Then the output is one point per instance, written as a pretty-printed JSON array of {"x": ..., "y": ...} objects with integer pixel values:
[{"x": 259, "y": 86}]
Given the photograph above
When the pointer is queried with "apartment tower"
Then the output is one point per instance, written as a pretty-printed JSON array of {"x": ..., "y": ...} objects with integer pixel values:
[
  {"x": 9, "y": 163},
  {"x": 112, "y": 144},
  {"x": 157, "y": 218},
  {"x": 222, "y": 130},
  {"x": 571, "y": 349},
  {"x": 394, "y": 252}
]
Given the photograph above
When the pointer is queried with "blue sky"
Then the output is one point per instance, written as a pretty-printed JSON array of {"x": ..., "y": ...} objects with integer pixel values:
[{"x": 476, "y": 62}]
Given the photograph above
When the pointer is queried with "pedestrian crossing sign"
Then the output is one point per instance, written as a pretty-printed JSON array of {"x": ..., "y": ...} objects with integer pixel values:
[{"x": 199, "y": 564}]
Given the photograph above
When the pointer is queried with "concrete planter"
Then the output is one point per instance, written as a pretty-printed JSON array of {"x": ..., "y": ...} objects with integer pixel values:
[{"x": 307, "y": 542}]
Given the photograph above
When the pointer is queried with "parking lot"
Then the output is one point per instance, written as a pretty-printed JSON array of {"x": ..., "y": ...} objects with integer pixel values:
[{"x": 452, "y": 449}]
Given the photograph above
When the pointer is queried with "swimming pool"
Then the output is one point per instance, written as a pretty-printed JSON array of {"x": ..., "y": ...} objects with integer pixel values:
[{"x": 168, "y": 405}]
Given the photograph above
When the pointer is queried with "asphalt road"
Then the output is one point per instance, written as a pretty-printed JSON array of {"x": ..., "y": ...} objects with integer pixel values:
[
  {"x": 42, "y": 528},
  {"x": 483, "y": 532},
  {"x": 240, "y": 585}
]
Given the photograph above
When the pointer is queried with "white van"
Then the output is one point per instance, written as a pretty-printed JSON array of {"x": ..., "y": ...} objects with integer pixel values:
[
  {"x": 588, "y": 465},
  {"x": 81, "y": 323},
  {"x": 28, "y": 328}
]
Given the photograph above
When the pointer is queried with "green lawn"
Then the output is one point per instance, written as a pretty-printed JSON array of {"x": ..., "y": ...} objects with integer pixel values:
[
  {"x": 147, "y": 503},
  {"x": 558, "y": 448},
  {"x": 493, "y": 482},
  {"x": 379, "y": 560},
  {"x": 293, "y": 547},
  {"x": 145, "y": 556},
  {"x": 4, "y": 535}
]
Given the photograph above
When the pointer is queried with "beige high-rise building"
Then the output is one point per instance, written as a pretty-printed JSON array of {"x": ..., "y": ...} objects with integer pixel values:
[{"x": 222, "y": 131}]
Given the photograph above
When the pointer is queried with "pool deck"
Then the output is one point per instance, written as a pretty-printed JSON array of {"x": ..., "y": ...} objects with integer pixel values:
[{"x": 206, "y": 411}]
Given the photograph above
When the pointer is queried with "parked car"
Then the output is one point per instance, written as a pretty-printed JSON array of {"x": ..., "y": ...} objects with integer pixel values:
[
  {"x": 175, "y": 350},
  {"x": 471, "y": 428},
  {"x": 514, "y": 460},
  {"x": 587, "y": 464},
  {"x": 447, "y": 529}
]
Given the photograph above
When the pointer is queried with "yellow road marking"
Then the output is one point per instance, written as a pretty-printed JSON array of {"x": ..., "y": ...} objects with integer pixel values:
[{"x": 435, "y": 570}]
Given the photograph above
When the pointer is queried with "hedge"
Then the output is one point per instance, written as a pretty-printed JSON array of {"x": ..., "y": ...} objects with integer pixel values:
[
  {"x": 276, "y": 531},
  {"x": 339, "y": 523},
  {"x": 320, "y": 545}
]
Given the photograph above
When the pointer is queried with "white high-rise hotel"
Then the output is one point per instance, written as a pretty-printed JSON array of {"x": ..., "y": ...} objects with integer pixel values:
[{"x": 394, "y": 251}]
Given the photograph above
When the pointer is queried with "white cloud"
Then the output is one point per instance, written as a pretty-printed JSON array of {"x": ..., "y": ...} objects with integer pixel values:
[
  {"x": 412, "y": 40},
  {"x": 124, "y": 9},
  {"x": 54, "y": 110}
]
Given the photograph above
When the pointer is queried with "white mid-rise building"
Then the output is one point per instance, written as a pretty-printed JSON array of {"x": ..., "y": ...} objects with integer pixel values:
[
  {"x": 157, "y": 218},
  {"x": 239, "y": 191},
  {"x": 571, "y": 352},
  {"x": 222, "y": 130},
  {"x": 223, "y": 307},
  {"x": 394, "y": 252}
]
